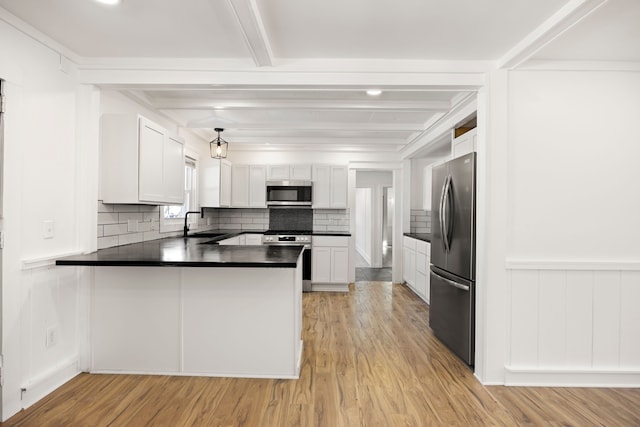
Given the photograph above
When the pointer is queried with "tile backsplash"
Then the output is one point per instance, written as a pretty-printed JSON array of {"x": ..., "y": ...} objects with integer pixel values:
[
  {"x": 331, "y": 220},
  {"x": 125, "y": 224},
  {"x": 420, "y": 221}
]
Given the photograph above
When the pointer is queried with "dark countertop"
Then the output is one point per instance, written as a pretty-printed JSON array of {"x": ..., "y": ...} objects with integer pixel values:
[
  {"x": 331, "y": 233},
  {"x": 189, "y": 252},
  {"x": 426, "y": 237}
]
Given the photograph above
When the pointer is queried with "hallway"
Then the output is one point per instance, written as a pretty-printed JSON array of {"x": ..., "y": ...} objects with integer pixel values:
[{"x": 365, "y": 273}]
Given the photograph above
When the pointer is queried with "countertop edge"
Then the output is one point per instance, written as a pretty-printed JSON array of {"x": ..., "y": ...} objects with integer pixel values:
[{"x": 425, "y": 237}]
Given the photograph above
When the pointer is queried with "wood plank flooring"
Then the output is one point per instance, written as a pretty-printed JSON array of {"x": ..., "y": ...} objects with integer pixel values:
[{"x": 370, "y": 359}]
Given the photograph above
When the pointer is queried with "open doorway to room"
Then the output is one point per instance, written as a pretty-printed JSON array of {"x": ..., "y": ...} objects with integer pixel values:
[{"x": 375, "y": 204}]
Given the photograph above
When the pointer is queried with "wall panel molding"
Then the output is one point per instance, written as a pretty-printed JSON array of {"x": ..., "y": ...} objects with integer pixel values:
[{"x": 573, "y": 326}]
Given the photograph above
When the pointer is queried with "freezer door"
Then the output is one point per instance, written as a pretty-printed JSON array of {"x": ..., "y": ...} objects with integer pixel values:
[{"x": 452, "y": 314}]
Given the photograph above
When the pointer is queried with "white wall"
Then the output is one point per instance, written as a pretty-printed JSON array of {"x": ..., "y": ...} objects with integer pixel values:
[
  {"x": 45, "y": 154},
  {"x": 573, "y": 262},
  {"x": 363, "y": 224},
  {"x": 376, "y": 182}
]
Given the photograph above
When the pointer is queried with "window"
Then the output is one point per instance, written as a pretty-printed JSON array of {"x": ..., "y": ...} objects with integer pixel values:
[{"x": 172, "y": 217}]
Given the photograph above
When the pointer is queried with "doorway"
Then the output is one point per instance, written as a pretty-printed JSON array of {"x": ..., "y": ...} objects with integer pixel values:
[{"x": 375, "y": 204}]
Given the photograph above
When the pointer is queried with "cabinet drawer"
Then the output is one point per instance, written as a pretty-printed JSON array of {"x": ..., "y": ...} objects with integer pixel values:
[{"x": 333, "y": 241}]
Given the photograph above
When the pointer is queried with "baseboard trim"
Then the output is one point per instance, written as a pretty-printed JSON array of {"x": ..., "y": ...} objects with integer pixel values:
[
  {"x": 38, "y": 387},
  {"x": 572, "y": 378},
  {"x": 330, "y": 287}
]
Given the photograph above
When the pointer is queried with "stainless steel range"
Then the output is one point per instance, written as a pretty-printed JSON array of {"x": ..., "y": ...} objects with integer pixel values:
[{"x": 294, "y": 237}]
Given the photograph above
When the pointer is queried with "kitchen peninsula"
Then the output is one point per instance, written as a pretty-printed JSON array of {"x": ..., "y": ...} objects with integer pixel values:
[{"x": 184, "y": 306}]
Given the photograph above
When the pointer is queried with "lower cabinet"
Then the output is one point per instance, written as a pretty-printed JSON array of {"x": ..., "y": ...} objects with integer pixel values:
[
  {"x": 416, "y": 259},
  {"x": 330, "y": 259},
  {"x": 243, "y": 239}
]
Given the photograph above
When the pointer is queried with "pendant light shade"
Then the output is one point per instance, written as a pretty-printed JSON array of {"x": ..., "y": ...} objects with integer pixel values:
[{"x": 218, "y": 146}]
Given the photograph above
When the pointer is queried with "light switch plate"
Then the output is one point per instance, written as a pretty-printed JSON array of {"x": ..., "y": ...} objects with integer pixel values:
[{"x": 47, "y": 231}]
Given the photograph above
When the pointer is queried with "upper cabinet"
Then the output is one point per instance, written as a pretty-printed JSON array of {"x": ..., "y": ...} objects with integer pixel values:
[
  {"x": 288, "y": 172},
  {"x": 463, "y": 138},
  {"x": 248, "y": 189},
  {"x": 329, "y": 187},
  {"x": 141, "y": 162},
  {"x": 464, "y": 144},
  {"x": 215, "y": 183}
]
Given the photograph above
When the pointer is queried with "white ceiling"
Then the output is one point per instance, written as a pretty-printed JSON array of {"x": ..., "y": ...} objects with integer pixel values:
[{"x": 292, "y": 74}]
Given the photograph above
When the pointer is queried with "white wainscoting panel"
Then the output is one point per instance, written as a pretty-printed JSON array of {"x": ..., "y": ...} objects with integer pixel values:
[{"x": 572, "y": 324}]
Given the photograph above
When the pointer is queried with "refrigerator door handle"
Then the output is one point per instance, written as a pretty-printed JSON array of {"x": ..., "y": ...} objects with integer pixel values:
[
  {"x": 441, "y": 213},
  {"x": 451, "y": 282},
  {"x": 446, "y": 214}
]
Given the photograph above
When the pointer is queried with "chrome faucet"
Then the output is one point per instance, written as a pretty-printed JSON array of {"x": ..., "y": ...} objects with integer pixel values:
[{"x": 186, "y": 216}]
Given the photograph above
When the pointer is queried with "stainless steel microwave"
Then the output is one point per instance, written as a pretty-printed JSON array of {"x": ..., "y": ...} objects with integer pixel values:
[{"x": 289, "y": 193}]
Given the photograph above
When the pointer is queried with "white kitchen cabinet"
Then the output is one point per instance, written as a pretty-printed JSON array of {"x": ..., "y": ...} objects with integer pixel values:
[
  {"x": 329, "y": 187},
  {"x": 330, "y": 259},
  {"x": 141, "y": 162},
  {"x": 257, "y": 186},
  {"x": 250, "y": 239},
  {"x": 464, "y": 144},
  {"x": 215, "y": 183},
  {"x": 235, "y": 241},
  {"x": 253, "y": 239},
  {"x": 248, "y": 186},
  {"x": 409, "y": 261},
  {"x": 289, "y": 172},
  {"x": 240, "y": 186},
  {"x": 416, "y": 260},
  {"x": 300, "y": 172}
]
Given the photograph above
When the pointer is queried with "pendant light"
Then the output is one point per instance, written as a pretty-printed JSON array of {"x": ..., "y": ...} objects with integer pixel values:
[{"x": 218, "y": 146}]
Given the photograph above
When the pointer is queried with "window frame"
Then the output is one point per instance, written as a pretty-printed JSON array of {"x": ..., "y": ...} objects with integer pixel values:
[{"x": 169, "y": 225}]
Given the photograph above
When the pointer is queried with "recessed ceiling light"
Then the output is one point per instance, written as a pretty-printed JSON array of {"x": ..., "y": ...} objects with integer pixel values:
[
  {"x": 110, "y": 2},
  {"x": 374, "y": 92}
]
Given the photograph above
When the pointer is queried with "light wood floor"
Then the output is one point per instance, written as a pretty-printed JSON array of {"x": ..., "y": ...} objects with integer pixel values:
[{"x": 370, "y": 359}]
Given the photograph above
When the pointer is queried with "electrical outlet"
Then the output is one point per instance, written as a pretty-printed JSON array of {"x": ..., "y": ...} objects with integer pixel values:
[
  {"x": 51, "y": 338},
  {"x": 47, "y": 230},
  {"x": 132, "y": 225}
]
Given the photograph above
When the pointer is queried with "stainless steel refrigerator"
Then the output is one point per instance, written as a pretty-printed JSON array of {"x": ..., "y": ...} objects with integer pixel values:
[{"x": 453, "y": 260}]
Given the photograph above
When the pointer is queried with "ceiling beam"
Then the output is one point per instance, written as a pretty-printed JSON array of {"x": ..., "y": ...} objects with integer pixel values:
[
  {"x": 564, "y": 19},
  {"x": 255, "y": 36},
  {"x": 312, "y": 104},
  {"x": 310, "y": 126}
]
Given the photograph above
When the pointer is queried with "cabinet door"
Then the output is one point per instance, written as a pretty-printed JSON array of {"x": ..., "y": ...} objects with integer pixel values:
[
  {"x": 173, "y": 170},
  {"x": 321, "y": 265},
  {"x": 339, "y": 265},
  {"x": 421, "y": 284},
  {"x": 339, "y": 187},
  {"x": 409, "y": 262},
  {"x": 300, "y": 172},
  {"x": 464, "y": 144},
  {"x": 321, "y": 186},
  {"x": 210, "y": 183},
  {"x": 257, "y": 186},
  {"x": 225, "y": 184},
  {"x": 253, "y": 239},
  {"x": 150, "y": 158},
  {"x": 240, "y": 186},
  {"x": 278, "y": 172}
]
